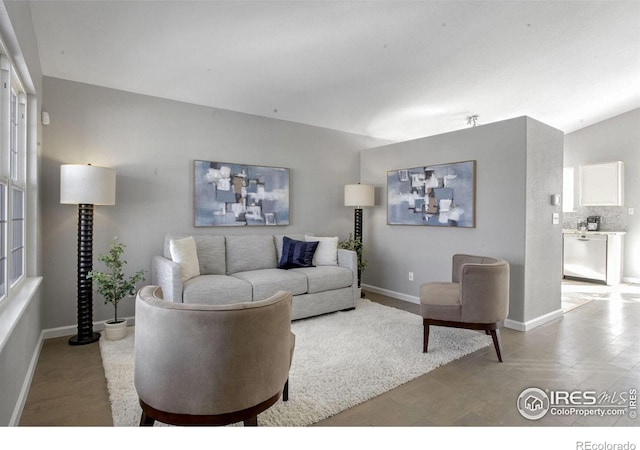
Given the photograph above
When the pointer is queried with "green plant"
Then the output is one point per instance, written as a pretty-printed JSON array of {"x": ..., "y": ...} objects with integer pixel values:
[
  {"x": 355, "y": 244},
  {"x": 112, "y": 284}
]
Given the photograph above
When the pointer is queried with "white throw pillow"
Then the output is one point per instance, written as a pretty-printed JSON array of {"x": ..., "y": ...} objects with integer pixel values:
[
  {"x": 183, "y": 252},
  {"x": 327, "y": 251}
]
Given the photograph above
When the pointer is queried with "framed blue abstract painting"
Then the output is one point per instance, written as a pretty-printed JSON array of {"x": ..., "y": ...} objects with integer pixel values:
[
  {"x": 227, "y": 194},
  {"x": 442, "y": 195}
]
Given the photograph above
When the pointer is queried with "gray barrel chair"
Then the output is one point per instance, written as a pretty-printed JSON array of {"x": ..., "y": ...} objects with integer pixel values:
[
  {"x": 477, "y": 298},
  {"x": 211, "y": 364}
]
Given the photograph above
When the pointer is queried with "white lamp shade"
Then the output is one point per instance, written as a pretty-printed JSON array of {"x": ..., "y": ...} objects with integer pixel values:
[
  {"x": 358, "y": 195},
  {"x": 87, "y": 184}
]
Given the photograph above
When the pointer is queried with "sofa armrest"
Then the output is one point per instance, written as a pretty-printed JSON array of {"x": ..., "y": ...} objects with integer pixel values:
[
  {"x": 349, "y": 259},
  {"x": 166, "y": 274}
]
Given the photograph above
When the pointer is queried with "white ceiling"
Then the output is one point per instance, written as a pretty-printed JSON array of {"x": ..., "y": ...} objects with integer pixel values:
[{"x": 394, "y": 70}]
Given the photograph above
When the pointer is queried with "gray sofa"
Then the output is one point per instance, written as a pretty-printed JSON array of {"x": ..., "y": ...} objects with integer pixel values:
[{"x": 244, "y": 268}]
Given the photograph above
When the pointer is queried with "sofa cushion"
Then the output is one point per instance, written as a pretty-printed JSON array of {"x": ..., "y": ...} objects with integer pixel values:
[
  {"x": 216, "y": 290},
  {"x": 253, "y": 252},
  {"x": 267, "y": 282},
  {"x": 326, "y": 278},
  {"x": 297, "y": 253},
  {"x": 210, "y": 249},
  {"x": 327, "y": 251},
  {"x": 277, "y": 239},
  {"x": 183, "y": 252},
  {"x": 211, "y": 254}
]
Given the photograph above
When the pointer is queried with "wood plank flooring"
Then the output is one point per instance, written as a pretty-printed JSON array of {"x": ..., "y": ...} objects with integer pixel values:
[
  {"x": 69, "y": 387},
  {"x": 594, "y": 346}
]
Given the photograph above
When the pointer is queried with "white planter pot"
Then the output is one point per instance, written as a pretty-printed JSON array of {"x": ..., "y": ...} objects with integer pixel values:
[{"x": 115, "y": 331}]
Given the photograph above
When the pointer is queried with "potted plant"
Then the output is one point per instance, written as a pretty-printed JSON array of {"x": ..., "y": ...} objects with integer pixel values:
[
  {"x": 355, "y": 244},
  {"x": 113, "y": 286}
]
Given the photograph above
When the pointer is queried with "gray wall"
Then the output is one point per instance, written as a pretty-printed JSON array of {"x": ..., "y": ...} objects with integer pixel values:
[
  {"x": 152, "y": 143},
  {"x": 543, "y": 244},
  {"x": 507, "y": 159},
  {"x": 615, "y": 139}
]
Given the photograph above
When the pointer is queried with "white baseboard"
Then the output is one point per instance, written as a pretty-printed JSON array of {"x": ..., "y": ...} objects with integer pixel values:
[
  {"x": 534, "y": 323},
  {"x": 512, "y": 324},
  {"x": 73, "y": 329},
  {"x": 393, "y": 294}
]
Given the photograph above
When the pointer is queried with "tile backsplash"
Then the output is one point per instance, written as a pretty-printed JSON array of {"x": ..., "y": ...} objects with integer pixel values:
[{"x": 612, "y": 218}]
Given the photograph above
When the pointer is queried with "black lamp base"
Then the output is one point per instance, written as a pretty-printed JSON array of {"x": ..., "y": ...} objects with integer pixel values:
[
  {"x": 76, "y": 340},
  {"x": 85, "y": 335},
  {"x": 357, "y": 234}
]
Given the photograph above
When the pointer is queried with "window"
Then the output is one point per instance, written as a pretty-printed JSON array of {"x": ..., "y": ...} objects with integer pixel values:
[
  {"x": 13, "y": 132},
  {"x": 17, "y": 236},
  {"x": 13, "y": 135},
  {"x": 3, "y": 240}
]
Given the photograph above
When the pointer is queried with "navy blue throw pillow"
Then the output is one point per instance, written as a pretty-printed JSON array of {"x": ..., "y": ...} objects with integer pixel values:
[{"x": 297, "y": 253}]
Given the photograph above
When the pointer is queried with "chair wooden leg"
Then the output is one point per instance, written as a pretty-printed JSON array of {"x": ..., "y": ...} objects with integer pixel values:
[
  {"x": 251, "y": 422},
  {"x": 285, "y": 391},
  {"x": 426, "y": 337},
  {"x": 146, "y": 421},
  {"x": 497, "y": 343}
]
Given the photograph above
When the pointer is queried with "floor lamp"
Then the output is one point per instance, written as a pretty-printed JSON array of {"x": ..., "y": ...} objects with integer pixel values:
[
  {"x": 358, "y": 195},
  {"x": 86, "y": 186}
]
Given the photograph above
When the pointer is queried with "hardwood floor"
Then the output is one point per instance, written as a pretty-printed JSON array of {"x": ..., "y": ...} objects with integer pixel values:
[
  {"x": 68, "y": 388},
  {"x": 595, "y": 346}
]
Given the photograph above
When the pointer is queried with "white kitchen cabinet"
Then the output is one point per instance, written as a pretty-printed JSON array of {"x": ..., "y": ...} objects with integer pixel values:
[{"x": 602, "y": 184}]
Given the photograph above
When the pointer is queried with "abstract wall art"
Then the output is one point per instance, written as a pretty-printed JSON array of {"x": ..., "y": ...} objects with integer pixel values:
[
  {"x": 227, "y": 194},
  {"x": 442, "y": 195}
]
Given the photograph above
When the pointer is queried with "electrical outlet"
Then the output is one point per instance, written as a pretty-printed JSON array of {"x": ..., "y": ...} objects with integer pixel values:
[
  {"x": 410, "y": 276},
  {"x": 631, "y": 211}
]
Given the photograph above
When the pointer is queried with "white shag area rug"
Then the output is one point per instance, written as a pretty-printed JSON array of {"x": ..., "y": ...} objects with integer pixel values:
[{"x": 340, "y": 360}]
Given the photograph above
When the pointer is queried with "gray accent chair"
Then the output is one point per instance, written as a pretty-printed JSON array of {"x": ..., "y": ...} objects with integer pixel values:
[
  {"x": 198, "y": 364},
  {"x": 477, "y": 298}
]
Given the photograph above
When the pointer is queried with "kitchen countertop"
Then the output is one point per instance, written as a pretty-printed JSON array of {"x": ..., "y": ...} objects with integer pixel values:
[{"x": 571, "y": 231}]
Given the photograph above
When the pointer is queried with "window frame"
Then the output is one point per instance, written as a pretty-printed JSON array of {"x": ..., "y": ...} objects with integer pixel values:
[{"x": 13, "y": 170}]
